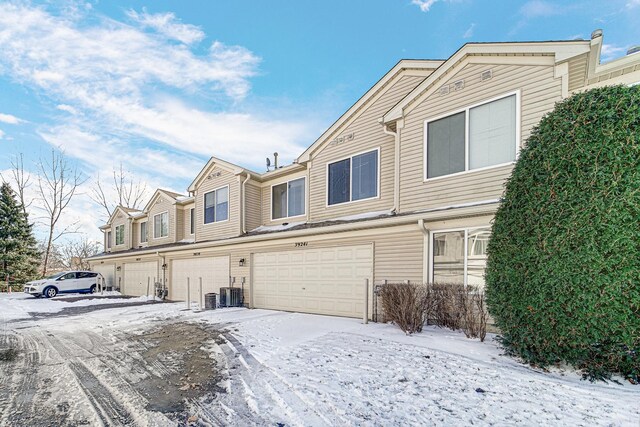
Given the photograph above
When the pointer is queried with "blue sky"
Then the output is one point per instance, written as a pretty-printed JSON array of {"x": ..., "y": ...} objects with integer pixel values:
[{"x": 161, "y": 86}]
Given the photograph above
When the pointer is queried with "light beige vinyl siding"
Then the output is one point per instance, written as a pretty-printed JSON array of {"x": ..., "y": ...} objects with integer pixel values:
[
  {"x": 218, "y": 230},
  {"x": 120, "y": 219},
  {"x": 539, "y": 91},
  {"x": 253, "y": 208},
  {"x": 267, "y": 193},
  {"x": 368, "y": 135},
  {"x": 135, "y": 225},
  {"x": 162, "y": 205},
  {"x": 578, "y": 72},
  {"x": 181, "y": 220},
  {"x": 186, "y": 228}
]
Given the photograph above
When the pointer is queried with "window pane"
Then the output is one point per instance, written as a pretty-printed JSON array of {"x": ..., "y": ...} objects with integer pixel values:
[
  {"x": 477, "y": 256},
  {"x": 279, "y": 201},
  {"x": 365, "y": 176},
  {"x": 339, "y": 181},
  {"x": 445, "y": 146},
  {"x": 165, "y": 224},
  {"x": 296, "y": 197},
  {"x": 492, "y": 133},
  {"x": 108, "y": 239},
  {"x": 222, "y": 204},
  {"x": 209, "y": 207},
  {"x": 193, "y": 220},
  {"x": 157, "y": 224},
  {"x": 448, "y": 257},
  {"x": 143, "y": 232}
]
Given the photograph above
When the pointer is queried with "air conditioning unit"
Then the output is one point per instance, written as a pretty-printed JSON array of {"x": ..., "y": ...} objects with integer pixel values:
[{"x": 231, "y": 297}]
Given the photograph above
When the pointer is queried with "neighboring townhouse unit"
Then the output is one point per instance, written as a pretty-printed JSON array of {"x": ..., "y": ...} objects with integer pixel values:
[{"x": 403, "y": 186}]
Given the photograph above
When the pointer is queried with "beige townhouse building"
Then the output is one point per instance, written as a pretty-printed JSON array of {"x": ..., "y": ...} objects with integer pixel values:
[{"x": 403, "y": 186}]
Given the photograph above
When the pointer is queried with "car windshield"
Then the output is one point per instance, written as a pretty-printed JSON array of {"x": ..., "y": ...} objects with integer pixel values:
[{"x": 55, "y": 276}]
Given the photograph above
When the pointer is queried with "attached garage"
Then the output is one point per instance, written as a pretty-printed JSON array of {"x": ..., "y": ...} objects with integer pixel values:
[
  {"x": 213, "y": 270},
  {"x": 136, "y": 277},
  {"x": 321, "y": 281},
  {"x": 108, "y": 271}
]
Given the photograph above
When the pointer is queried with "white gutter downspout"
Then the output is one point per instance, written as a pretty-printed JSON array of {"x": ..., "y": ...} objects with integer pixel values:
[
  {"x": 425, "y": 250},
  {"x": 130, "y": 233},
  {"x": 396, "y": 163},
  {"x": 244, "y": 204}
]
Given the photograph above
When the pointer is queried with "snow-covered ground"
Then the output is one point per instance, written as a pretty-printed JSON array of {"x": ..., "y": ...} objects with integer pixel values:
[{"x": 298, "y": 369}]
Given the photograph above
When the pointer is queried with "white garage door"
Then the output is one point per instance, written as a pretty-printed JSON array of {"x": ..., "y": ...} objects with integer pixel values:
[
  {"x": 136, "y": 277},
  {"x": 108, "y": 271},
  {"x": 323, "y": 281},
  {"x": 213, "y": 270}
]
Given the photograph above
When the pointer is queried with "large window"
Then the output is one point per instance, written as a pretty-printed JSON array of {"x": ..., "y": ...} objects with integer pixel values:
[
  {"x": 478, "y": 137},
  {"x": 460, "y": 256},
  {"x": 120, "y": 235},
  {"x": 287, "y": 199},
  {"x": 143, "y": 232},
  {"x": 161, "y": 225},
  {"x": 216, "y": 205},
  {"x": 355, "y": 178},
  {"x": 192, "y": 218}
]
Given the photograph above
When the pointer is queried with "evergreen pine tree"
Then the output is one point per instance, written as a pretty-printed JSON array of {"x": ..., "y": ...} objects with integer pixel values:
[{"x": 19, "y": 257}]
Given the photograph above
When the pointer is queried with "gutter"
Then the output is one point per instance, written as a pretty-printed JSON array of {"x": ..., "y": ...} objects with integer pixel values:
[
  {"x": 244, "y": 204},
  {"x": 483, "y": 207}
]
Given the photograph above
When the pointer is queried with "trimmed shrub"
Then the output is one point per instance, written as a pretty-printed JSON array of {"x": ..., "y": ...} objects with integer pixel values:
[
  {"x": 563, "y": 270},
  {"x": 406, "y": 305}
]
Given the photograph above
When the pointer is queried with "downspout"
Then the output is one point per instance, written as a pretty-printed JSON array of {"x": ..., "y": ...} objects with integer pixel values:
[
  {"x": 425, "y": 250},
  {"x": 244, "y": 204},
  {"x": 396, "y": 166},
  {"x": 130, "y": 233}
]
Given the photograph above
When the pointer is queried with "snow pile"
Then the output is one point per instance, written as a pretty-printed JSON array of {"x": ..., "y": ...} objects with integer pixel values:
[{"x": 281, "y": 227}]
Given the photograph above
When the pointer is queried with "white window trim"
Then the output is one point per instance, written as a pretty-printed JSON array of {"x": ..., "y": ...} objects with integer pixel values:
[
  {"x": 326, "y": 196},
  {"x": 116, "y": 236},
  {"x": 142, "y": 242},
  {"x": 109, "y": 238},
  {"x": 192, "y": 221},
  {"x": 214, "y": 205},
  {"x": 466, "y": 242},
  {"x": 306, "y": 191},
  {"x": 154, "y": 226},
  {"x": 466, "y": 136}
]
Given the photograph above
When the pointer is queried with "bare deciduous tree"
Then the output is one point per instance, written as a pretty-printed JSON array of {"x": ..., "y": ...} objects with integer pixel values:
[
  {"x": 21, "y": 181},
  {"x": 127, "y": 192},
  {"x": 74, "y": 254},
  {"x": 58, "y": 183}
]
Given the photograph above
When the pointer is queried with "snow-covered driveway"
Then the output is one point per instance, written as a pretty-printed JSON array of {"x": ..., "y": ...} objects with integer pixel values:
[{"x": 127, "y": 362}]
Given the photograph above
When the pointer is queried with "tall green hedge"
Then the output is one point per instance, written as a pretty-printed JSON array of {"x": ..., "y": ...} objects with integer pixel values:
[{"x": 563, "y": 271}]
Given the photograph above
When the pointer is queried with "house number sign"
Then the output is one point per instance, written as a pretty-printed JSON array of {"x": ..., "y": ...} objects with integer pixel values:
[{"x": 300, "y": 244}]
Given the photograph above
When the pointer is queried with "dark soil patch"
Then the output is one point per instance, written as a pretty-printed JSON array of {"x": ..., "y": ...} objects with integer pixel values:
[
  {"x": 75, "y": 311},
  {"x": 8, "y": 354},
  {"x": 184, "y": 371}
]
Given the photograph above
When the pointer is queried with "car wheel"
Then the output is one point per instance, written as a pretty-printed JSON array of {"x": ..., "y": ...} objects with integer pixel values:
[
  {"x": 93, "y": 289},
  {"x": 50, "y": 292}
]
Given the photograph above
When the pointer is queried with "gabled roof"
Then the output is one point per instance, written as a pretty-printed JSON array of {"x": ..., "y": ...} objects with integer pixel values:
[
  {"x": 405, "y": 64},
  {"x": 169, "y": 195},
  {"x": 128, "y": 212},
  {"x": 222, "y": 164},
  {"x": 562, "y": 50}
]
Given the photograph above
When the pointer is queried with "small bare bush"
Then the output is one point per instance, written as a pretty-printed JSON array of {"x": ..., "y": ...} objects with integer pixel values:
[
  {"x": 448, "y": 300},
  {"x": 474, "y": 313},
  {"x": 406, "y": 305}
]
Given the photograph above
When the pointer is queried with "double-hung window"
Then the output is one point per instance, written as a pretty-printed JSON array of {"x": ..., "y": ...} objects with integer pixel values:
[
  {"x": 120, "y": 234},
  {"x": 354, "y": 178},
  {"x": 143, "y": 232},
  {"x": 287, "y": 199},
  {"x": 216, "y": 205},
  {"x": 161, "y": 225},
  {"x": 478, "y": 137}
]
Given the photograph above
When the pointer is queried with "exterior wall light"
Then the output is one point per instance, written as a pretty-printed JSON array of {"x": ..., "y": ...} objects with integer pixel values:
[{"x": 241, "y": 262}]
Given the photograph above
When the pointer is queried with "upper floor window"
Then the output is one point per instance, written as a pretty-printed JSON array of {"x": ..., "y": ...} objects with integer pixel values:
[
  {"x": 108, "y": 240},
  {"x": 354, "y": 178},
  {"x": 120, "y": 234},
  {"x": 161, "y": 225},
  {"x": 478, "y": 137},
  {"x": 192, "y": 219},
  {"x": 216, "y": 205},
  {"x": 287, "y": 199},
  {"x": 143, "y": 232}
]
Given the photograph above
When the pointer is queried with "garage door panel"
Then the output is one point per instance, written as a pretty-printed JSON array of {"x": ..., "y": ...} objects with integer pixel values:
[
  {"x": 214, "y": 272},
  {"x": 139, "y": 277},
  {"x": 323, "y": 281}
]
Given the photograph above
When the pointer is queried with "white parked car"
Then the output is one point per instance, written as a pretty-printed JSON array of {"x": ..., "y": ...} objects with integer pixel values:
[{"x": 65, "y": 282}]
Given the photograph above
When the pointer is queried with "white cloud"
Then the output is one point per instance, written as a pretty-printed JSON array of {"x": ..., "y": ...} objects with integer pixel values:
[
  {"x": 1, "y": 134},
  {"x": 167, "y": 25},
  {"x": 538, "y": 8},
  {"x": 9, "y": 119},
  {"x": 632, "y": 4},
  {"x": 68, "y": 108},
  {"x": 424, "y": 5},
  {"x": 469, "y": 33},
  {"x": 609, "y": 52}
]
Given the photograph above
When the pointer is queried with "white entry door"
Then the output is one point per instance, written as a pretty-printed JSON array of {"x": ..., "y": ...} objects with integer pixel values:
[
  {"x": 213, "y": 270},
  {"x": 322, "y": 281},
  {"x": 136, "y": 277}
]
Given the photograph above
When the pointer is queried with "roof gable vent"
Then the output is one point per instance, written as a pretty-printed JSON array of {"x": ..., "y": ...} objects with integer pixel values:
[
  {"x": 486, "y": 75},
  {"x": 444, "y": 90},
  {"x": 459, "y": 85}
]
